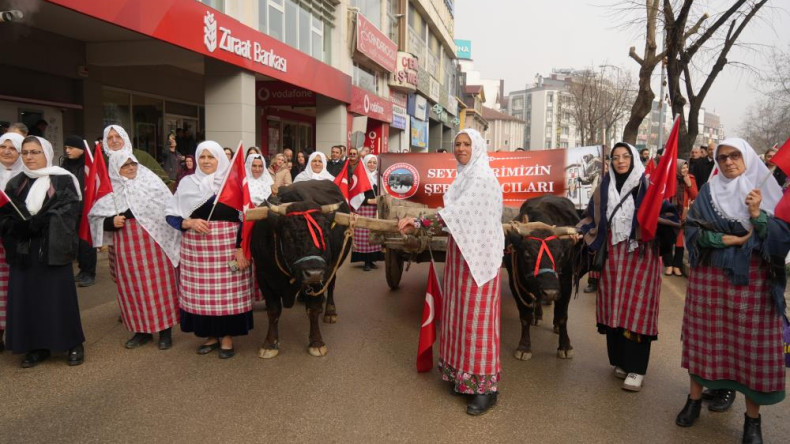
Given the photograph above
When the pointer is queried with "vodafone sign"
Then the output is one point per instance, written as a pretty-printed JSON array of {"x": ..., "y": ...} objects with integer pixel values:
[
  {"x": 281, "y": 93},
  {"x": 371, "y": 105},
  {"x": 375, "y": 45}
]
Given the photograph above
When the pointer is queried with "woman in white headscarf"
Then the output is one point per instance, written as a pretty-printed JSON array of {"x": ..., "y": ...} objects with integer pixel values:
[
  {"x": 316, "y": 169},
  {"x": 630, "y": 282},
  {"x": 10, "y": 166},
  {"x": 472, "y": 213},
  {"x": 215, "y": 287},
  {"x": 258, "y": 180},
  {"x": 363, "y": 250},
  {"x": 43, "y": 311},
  {"x": 732, "y": 322},
  {"x": 147, "y": 249}
]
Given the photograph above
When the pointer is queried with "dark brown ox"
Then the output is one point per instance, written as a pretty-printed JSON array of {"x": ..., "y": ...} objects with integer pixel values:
[
  {"x": 296, "y": 249},
  {"x": 540, "y": 269}
]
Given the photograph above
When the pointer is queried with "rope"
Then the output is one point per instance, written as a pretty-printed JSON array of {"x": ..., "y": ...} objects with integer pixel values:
[
  {"x": 277, "y": 260},
  {"x": 349, "y": 234},
  {"x": 518, "y": 286}
]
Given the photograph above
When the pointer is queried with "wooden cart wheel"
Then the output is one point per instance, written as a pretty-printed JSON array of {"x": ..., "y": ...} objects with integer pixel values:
[{"x": 394, "y": 265}]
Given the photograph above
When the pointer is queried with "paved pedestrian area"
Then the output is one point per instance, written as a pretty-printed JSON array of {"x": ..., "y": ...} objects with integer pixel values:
[{"x": 365, "y": 390}]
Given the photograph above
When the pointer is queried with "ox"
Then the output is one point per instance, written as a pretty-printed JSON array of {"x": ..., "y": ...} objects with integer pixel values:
[
  {"x": 297, "y": 248},
  {"x": 540, "y": 269}
]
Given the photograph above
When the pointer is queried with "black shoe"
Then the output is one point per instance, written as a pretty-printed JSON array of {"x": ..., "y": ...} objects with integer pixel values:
[
  {"x": 723, "y": 401},
  {"x": 165, "y": 339},
  {"x": 690, "y": 413},
  {"x": 479, "y": 404},
  {"x": 139, "y": 339},
  {"x": 455, "y": 392},
  {"x": 76, "y": 355},
  {"x": 79, "y": 276},
  {"x": 366, "y": 267},
  {"x": 752, "y": 430},
  {"x": 87, "y": 281},
  {"x": 710, "y": 394},
  {"x": 591, "y": 288},
  {"x": 35, "y": 357},
  {"x": 374, "y": 266},
  {"x": 206, "y": 349},
  {"x": 226, "y": 353}
]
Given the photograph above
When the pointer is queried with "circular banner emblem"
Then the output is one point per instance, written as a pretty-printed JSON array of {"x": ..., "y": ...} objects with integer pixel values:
[{"x": 401, "y": 180}]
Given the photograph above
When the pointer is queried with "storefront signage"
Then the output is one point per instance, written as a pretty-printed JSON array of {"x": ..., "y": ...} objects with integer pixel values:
[
  {"x": 399, "y": 99},
  {"x": 399, "y": 117},
  {"x": 418, "y": 107},
  {"x": 375, "y": 45},
  {"x": 281, "y": 93},
  {"x": 463, "y": 49},
  {"x": 433, "y": 91},
  {"x": 198, "y": 28},
  {"x": 522, "y": 174},
  {"x": 371, "y": 105},
  {"x": 419, "y": 133},
  {"x": 405, "y": 76}
]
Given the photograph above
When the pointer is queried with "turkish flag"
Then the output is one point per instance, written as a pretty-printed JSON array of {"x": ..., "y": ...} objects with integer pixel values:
[
  {"x": 235, "y": 193},
  {"x": 354, "y": 188},
  {"x": 650, "y": 167},
  {"x": 663, "y": 184},
  {"x": 97, "y": 185},
  {"x": 782, "y": 158},
  {"x": 342, "y": 180},
  {"x": 433, "y": 297}
]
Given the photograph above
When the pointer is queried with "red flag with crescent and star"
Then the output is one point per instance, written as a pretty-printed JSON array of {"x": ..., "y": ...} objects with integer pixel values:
[
  {"x": 235, "y": 193},
  {"x": 663, "y": 184},
  {"x": 354, "y": 187},
  {"x": 97, "y": 185},
  {"x": 433, "y": 297}
]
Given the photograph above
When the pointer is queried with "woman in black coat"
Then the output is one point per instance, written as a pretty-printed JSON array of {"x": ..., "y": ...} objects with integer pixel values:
[{"x": 41, "y": 243}]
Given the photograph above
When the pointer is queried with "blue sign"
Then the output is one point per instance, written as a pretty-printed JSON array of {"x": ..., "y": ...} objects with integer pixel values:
[
  {"x": 463, "y": 49},
  {"x": 419, "y": 133}
]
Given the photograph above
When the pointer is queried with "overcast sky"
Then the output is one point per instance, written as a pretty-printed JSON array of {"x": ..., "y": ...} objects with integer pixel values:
[{"x": 516, "y": 39}]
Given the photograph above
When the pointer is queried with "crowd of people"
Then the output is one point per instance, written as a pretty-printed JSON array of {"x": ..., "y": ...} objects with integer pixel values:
[{"x": 177, "y": 259}]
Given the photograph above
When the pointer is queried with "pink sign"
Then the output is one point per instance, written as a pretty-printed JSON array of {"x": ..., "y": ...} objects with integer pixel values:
[
  {"x": 371, "y": 105},
  {"x": 375, "y": 45}
]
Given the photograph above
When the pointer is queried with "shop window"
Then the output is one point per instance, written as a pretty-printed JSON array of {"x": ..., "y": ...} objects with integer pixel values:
[
  {"x": 219, "y": 5},
  {"x": 371, "y": 9},
  {"x": 365, "y": 79},
  {"x": 116, "y": 108},
  {"x": 147, "y": 132}
]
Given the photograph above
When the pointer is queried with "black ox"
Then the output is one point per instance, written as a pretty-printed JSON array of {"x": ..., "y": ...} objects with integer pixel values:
[
  {"x": 296, "y": 249},
  {"x": 540, "y": 269}
]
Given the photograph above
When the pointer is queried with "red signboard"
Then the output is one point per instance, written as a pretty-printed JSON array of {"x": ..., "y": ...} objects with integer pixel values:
[
  {"x": 196, "y": 27},
  {"x": 371, "y": 105},
  {"x": 281, "y": 93},
  {"x": 375, "y": 45},
  {"x": 377, "y": 137},
  {"x": 424, "y": 178}
]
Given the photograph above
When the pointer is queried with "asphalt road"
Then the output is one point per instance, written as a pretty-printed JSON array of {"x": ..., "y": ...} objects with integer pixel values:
[{"x": 365, "y": 390}]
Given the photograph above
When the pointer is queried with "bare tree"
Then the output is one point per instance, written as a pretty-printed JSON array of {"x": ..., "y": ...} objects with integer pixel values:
[
  {"x": 597, "y": 102},
  {"x": 767, "y": 122}
]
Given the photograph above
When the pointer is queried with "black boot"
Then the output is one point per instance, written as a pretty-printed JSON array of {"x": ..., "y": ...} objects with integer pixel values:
[
  {"x": 139, "y": 339},
  {"x": 592, "y": 285},
  {"x": 752, "y": 431},
  {"x": 690, "y": 412},
  {"x": 76, "y": 355},
  {"x": 165, "y": 339},
  {"x": 723, "y": 401},
  {"x": 479, "y": 404}
]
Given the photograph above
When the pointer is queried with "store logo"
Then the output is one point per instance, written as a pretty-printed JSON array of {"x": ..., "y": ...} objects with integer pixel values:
[
  {"x": 263, "y": 94},
  {"x": 366, "y": 104},
  {"x": 401, "y": 180},
  {"x": 210, "y": 32}
]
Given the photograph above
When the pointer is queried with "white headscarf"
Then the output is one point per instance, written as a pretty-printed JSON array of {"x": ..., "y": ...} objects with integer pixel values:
[
  {"x": 373, "y": 176},
  {"x": 38, "y": 192},
  {"x": 729, "y": 195},
  {"x": 127, "y": 144},
  {"x": 624, "y": 218},
  {"x": 146, "y": 195},
  {"x": 473, "y": 212},
  {"x": 196, "y": 189},
  {"x": 308, "y": 173},
  {"x": 7, "y": 173},
  {"x": 260, "y": 188}
]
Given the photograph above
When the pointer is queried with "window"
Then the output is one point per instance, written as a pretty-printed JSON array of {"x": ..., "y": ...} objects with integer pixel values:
[
  {"x": 291, "y": 23},
  {"x": 276, "y": 14},
  {"x": 302, "y": 24},
  {"x": 219, "y": 5},
  {"x": 317, "y": 30},
  {"x": 393, "y": 13},
  {"x": 371, "y": 9},
  {"x": 365, "y": 79}
]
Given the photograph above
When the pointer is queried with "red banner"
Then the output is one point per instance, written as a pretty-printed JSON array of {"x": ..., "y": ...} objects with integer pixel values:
[
  {"x": 375, "y": 45},
  {"x": 371, "y": 105},
  {"x": 424, "y": 178}
]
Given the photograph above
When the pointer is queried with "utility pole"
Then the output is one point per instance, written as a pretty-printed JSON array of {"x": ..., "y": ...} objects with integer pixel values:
[{"x": 661, "y": 105}]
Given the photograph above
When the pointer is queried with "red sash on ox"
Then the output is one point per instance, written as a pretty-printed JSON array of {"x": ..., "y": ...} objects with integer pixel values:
[
  {"x": 629, "y": 290},
  {"x": 733, "y": 332},
  {"x": 362, "y": 235},
  {"x": 208, "y": 287},
  {"x": 469, "y": 337},
  {"x": 147, "y": 284},
  {"x": 3, "y": 286}
]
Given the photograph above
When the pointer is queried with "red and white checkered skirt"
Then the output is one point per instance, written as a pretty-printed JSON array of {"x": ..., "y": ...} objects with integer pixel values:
[
  {"x": 630, "y": 289},
  {"x": 469, "y": 336},
  {"x": 733, "y": 332},
  {"x": 4, "y": 269},
  {"x": 362, "y": 235},
  {"x": 111, "y": 259},
  {"x": 147, "y": 288},
  {"x": 208, "y": 287}
]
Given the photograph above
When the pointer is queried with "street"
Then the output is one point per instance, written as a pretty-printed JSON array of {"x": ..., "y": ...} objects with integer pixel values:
[{"x": 365, "y": 389}]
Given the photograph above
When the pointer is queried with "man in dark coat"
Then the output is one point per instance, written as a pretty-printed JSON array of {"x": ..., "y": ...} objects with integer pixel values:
[
  {"x": 336, "y": 161},
  {"x": 701, "y": 165},
  {"x": 73, "y": 161}
]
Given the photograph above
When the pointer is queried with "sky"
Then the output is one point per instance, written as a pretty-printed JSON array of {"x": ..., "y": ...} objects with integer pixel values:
[{"x": 516, "y": 39}]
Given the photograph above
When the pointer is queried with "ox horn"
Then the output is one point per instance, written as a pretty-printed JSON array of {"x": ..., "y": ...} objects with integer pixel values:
[
  {"x": 330, "y": 208},
  {"x": 526, "y": 229}
]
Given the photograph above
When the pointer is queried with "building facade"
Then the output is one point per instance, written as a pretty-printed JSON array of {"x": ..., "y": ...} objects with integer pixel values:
[
  {"x": 545, "y": 110},
  {"x": 505, "y": 132}
]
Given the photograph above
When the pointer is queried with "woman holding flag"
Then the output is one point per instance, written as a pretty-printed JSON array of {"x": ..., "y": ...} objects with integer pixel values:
[
  {"x": 38, "y": 227},
  {"x": 10, "y": 146},
  {"x": 732, "y": 322},
  {"x": 469, "y": 337},
  {"x": 215, "y": 287},
  {"x": 146, "y": 248},
  {"x": 630, "y": 282}
]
